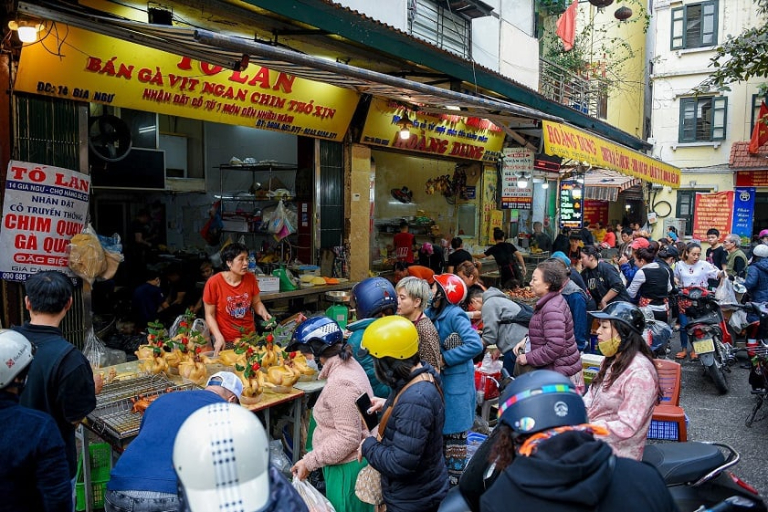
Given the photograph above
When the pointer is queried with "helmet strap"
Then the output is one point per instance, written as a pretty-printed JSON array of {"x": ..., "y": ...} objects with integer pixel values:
[{"x": 531, "y": 444}]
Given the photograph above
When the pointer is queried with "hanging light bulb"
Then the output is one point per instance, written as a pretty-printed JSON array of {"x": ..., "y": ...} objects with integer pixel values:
[
  {"x": 404, "y": 124},
  {"x": 27, "y": 29},
  {"x": 522, "y": 181},
  {"x": 545, "y": 185}
]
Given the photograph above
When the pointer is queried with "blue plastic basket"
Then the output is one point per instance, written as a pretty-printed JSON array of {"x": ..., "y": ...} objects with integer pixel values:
[{"x": 666, "y": 430}]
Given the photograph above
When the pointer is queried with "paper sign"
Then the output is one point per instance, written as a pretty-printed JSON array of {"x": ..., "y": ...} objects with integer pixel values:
[
  {"x": 712, "y": 211},
  {"x": 517, "y": 162},
  {"x": 43, "y": 208}
]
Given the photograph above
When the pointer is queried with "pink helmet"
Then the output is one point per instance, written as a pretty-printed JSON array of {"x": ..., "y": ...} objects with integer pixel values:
[{"x": 763, "y": 233}]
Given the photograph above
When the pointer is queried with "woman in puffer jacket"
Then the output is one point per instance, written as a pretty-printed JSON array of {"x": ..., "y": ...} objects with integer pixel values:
[{"x": 553, "y": 344}]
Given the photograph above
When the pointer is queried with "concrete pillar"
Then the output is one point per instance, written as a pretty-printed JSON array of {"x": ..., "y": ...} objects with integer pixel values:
[{"x": 358, "y": 210}]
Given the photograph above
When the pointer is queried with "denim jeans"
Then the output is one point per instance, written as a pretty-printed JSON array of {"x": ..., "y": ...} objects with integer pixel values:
[
  {"x": 140, "y": 501},
  {"x": 683, "y": 334}
]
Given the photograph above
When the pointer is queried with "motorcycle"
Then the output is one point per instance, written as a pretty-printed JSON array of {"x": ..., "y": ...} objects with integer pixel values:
[
  {"x": 757, "y": 350},
  {"x": 696, "y": 474},
  {"x": 708, "y": 333},
  {"x": 658, "y": 333}
]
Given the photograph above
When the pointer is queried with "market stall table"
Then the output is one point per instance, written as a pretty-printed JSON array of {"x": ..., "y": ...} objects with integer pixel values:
[
  {"x": 312, "y": 295},
  {"x": 114, "y": 422}
]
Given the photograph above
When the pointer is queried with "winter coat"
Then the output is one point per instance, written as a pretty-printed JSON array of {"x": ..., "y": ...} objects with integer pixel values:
[
  {"x": 366, "y": 361},
  {"x": 499, "y": 314},
  {"x": 577, "y": 300},
  {"x": 574, "y": 472},
  {"x": 553, "y": 345},
  {"x": 757, "y": 280},
  {"x": 458, "y": 374},
  {"x": 340, "y": 427},
  {"x": 410, "y": 455}
]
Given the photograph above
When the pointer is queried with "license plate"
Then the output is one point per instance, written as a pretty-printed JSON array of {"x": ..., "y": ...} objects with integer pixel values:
[{"x": 703, "y": 346}]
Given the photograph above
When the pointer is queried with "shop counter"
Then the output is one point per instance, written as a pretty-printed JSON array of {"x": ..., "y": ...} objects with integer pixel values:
[{"x": 312, "y": 295}]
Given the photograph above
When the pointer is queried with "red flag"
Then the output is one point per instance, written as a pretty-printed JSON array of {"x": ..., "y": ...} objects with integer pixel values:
[
  {"x": 760, "y": 132},
  {"x": 566, "y": 25}
]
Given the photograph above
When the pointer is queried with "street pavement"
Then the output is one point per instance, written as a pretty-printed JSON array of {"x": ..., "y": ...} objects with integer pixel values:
[{"x": 720, "y": 418}]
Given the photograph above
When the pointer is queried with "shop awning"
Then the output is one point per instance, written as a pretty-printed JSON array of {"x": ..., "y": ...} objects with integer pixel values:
[
  {"x": 234, "y": 53},
  {"x": 570, "y": 142}
]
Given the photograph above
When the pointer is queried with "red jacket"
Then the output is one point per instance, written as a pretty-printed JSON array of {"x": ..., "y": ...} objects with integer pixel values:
[{"x": 553, "y": 344}]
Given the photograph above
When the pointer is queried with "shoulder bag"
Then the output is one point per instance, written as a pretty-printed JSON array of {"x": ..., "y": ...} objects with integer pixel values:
[{"x": 368, "y": 483}]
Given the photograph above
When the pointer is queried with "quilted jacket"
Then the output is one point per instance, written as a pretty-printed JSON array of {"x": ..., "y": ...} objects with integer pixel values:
[{"x": 553, "y": 345}]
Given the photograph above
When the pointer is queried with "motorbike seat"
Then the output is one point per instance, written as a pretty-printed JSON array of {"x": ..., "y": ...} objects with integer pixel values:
[{"x": 682, "y": 463}]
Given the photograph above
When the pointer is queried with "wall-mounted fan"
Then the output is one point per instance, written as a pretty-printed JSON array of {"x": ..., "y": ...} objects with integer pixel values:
[{"x": 109, "y": 137}]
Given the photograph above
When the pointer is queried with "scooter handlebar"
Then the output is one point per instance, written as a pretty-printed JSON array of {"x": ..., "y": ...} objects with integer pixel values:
[{"x": 732, "y": 503}]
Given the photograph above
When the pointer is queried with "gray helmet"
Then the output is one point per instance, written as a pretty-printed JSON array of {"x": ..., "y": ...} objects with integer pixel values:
[
  {"x": 16, "y": 353},
  {"x": 540, "y": 400},
  {"x": 622, "y": 312}
]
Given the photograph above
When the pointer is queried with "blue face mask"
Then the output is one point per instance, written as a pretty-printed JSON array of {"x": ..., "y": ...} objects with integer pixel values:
[{"x": 313, "y": 364}]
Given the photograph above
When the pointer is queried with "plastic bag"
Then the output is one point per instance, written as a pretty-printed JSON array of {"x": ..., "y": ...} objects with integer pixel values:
[
  {"x": 278, "y": 458},
  {"x": 489, "y": 365},
  {"x": 315, "y": 501},
  {"x": 200, "y": 326},
  {"x": 724, "y": 293},
  {"x": 86, "y": 256},
  {"x": 95, "y": 351},
  {"x": 738, "y": 320}
]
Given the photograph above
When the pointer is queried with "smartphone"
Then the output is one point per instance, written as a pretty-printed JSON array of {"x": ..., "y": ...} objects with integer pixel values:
[{"x": 363, "y": 403}]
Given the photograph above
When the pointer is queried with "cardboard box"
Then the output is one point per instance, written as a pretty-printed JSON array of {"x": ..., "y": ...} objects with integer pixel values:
[
  {"x": 269, "y": 284},
  {"x": 590, "y": 364}
]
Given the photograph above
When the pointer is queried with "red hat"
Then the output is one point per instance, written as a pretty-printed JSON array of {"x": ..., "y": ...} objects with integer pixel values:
[{"x": 640, "y": 243}]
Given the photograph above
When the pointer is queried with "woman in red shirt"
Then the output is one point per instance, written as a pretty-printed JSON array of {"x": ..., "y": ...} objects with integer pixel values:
[{"x": 231, "y": 297}]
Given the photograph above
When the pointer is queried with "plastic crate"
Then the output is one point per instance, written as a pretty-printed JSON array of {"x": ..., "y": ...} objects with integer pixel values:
[
  {"x": 101, "y": 465},
  {"x": 666, "y": 430}
]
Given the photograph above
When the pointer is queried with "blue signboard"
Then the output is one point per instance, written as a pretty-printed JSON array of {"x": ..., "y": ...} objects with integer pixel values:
[{"x": 743, "y": 212}]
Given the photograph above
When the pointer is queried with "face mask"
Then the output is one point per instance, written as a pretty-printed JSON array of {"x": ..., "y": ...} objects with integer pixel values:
[
  {"x": 610, "y": 347},
  {"x": 313, "y": 364}
]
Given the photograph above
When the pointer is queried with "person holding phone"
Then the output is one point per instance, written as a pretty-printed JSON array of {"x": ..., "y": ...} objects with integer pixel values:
[
  {"x": 408, "y": 450},
  {"x": 340, "y": 428}
]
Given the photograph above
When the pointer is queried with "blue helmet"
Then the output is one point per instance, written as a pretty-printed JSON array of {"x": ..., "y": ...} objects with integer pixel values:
[
  {"x": 372, "y": 296},
  {"x": 316, "y": 333},
  {"x": 541, "y": 400}
]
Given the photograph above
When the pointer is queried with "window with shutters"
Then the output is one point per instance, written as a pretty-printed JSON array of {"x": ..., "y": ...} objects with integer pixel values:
[
  {"x": 694, "y": 26},
  {"x": 436, "y": 23},
  {"x": 702, "y": 119}
]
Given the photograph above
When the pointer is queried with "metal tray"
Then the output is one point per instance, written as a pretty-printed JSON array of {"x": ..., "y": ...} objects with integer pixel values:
[{"x": 117, "y": 420}]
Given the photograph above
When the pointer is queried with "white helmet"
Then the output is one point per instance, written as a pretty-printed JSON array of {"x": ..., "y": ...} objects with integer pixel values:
[
  {"x": 15, "y": 354},
  {"x": 221, "y": 456}
]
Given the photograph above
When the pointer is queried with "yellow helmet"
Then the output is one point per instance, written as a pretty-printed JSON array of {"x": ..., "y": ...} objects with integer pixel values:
[{"x": 391, "y": 336}]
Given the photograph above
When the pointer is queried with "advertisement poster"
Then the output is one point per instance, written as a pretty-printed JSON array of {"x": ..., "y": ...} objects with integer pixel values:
[
  {"x": 570, "y": 142},
  {"x": 517, "y": 162},
  {"x": 571, "y": 204},
  {"x": 743, "y": 212},
  {"x": 100, "y": 69},
  {"x": 43, "y": 208},
  {"x": 712, "y": 211},
  {"x": 470, "y": 138},
  {"x": 596, "y": 211}
]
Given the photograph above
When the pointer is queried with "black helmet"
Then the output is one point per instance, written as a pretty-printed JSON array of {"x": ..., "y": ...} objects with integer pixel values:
[
  {"x": 540, "y": 400},
  {"x": 669, "y": 251},
  {"x": 623, "y": 312}
]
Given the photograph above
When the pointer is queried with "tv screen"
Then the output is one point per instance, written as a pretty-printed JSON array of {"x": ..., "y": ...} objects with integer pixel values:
[{"x": 140, "y": 169}]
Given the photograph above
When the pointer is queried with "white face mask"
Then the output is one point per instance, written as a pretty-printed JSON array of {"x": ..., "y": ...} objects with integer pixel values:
[{"x": 313, "y": 364}]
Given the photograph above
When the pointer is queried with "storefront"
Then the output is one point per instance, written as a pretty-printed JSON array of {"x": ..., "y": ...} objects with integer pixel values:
[
  {"x": 751, "y": 179},
  {"x": 616, "y": 180},
  {"x": 438, "y": 171}
]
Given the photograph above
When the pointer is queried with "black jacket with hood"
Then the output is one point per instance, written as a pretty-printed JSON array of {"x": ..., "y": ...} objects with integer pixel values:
[{"x": 573, "y": 472}]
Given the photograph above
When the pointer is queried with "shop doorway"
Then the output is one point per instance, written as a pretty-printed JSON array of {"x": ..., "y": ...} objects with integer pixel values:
[{"x": 761, "y": 213}]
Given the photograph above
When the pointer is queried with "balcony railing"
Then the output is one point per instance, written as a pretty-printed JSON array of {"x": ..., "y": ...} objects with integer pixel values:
[{"x": 589, "y": 96}]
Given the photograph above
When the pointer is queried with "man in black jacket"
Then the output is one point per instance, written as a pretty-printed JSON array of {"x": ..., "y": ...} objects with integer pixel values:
[{"x": 554, "y": 462}]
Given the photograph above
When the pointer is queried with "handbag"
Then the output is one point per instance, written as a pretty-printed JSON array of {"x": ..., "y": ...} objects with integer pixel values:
[{"x": 368, "y": 482}]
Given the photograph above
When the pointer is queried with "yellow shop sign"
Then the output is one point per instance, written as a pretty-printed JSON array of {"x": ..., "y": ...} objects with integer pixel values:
[
  {"x": 101, "y": 69},
  {"x": 569, "y": 142},
  {"x": 469, "y": 138}
]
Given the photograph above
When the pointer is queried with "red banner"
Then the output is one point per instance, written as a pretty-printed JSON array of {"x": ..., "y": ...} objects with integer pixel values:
[
  {"x": 752, "y": 179},
  {"x": 596, "y": 211},
  {"x": 712, "y": 211}
]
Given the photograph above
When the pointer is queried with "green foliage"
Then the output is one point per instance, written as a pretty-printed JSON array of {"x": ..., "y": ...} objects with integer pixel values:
[
  {"x": 551, "y": 7},
  {"x": 742, "y": 57}
]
